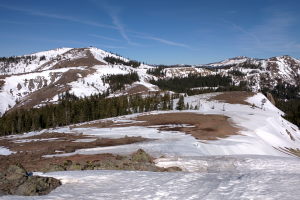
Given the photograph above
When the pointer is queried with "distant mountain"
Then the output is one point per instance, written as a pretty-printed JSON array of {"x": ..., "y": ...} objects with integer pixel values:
[
  {"x": 257, "y": 73},
  {"x": 37, "y": 79}
]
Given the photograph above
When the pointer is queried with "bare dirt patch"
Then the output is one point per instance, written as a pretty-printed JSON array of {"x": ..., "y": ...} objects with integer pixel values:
[
  {"x": 295, "y": 152},
  {"x": 234, "y": 97},
  {"x": 88, "y": 60},
  {"x": 137, "y": 89},
  {"x": 46, "y": 93},
  {"x": 30, "y": 152},
  {"x": 203, "y": 127},
  {"x": 2, "y": 82}
]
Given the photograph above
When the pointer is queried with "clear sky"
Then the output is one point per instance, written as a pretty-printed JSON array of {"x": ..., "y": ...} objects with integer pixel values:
[{"x": 155, "y": 31}]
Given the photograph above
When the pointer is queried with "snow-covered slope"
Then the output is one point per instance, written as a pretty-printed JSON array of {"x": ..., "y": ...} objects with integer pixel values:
[
  {"x": 257, "y": 73},
  {"x": 263, "y": 131},
  {"x": 255, "y": 164},
  {"x": 35, "y": 79},
  {"x": 29, "y": 63},
  {"x": 258, "y": 178},
  {"x": 229, "y": 61}
]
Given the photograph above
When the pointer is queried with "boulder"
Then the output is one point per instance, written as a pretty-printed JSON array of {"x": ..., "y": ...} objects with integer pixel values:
[
  {"x": 36, "y": 185},
  {"x": 15, "y": 180},
  {"x": 270, "y": 98},
  {"x": 141, "y": 156}
]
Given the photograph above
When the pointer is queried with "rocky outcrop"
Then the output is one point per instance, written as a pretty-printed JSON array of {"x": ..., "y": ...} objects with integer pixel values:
[
  {"x": 139, "y": 160},
  {"x": 17, "y": 181},
  {"x": 270, "y": 98}
]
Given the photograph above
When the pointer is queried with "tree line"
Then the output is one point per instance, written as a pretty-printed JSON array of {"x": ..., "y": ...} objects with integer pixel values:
[
  {"x": 287, "y": 99},
  {"x": 71, "y": 110},
  {"x": 118, "y": 61},
  {"x": 118, "y": 81},
  {"x": 157, "y": 71},
  {"x": 183, "y": 85}
]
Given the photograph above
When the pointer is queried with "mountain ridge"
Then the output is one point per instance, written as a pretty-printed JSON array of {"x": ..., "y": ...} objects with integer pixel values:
[{"x": 36, "y": 79}]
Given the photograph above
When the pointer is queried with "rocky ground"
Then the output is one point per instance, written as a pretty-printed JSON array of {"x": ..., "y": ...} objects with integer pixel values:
[{"x": 15, "y": 180}]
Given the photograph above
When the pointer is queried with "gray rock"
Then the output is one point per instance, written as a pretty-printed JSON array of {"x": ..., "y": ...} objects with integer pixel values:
[
  {"x": 141, "y": 156},
  {"x": 15, "y": 181},
  {"x": 36, "y": 185}
]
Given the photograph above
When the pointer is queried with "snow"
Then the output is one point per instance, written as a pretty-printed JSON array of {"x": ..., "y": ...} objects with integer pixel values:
[
  {"x": 85, "y": 140},
  {"x": 51, "y": 53},
  {"x": 21, "y": 83},
  {"x": 230, "y": 61},
  {"x": 93, "y": 83},
  {"x": 26, "y": 67},
  {"x": 5, "y": 151},
  {"x": 244, "y": 166},
  {"x": 10, "y": 93},
  {"x": 252, "y": 177},
  {"x": 262, "y": 132},
  {"x": 19, "y": 86},
  {"x": 185, "y": 71},
  {"x": 35, "y": 140}
]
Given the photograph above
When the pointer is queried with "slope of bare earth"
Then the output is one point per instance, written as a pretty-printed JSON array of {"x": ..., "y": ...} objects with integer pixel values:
[
  {"x": 30, "y": 151},
  {"x": 86, "y": 59},
  {"x": 233, "y": 97},
  {"x": 203, "y": 127},
  {"x": 48, "y": 92}
]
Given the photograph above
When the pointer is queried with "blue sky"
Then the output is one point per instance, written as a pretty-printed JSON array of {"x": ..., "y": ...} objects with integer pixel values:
[{"x": 156, "y": 31}]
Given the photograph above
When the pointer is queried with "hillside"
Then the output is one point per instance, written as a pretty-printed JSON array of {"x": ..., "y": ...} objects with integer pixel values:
[
  {"x": 37, "y": 79},
  {"x": 257, "y": 74},
  {"x": 233, "y": 145},
  {"x": 141, "y": 124}
]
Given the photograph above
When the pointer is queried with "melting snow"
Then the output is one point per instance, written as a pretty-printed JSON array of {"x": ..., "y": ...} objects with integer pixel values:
[{"x": 5, "y": 151}]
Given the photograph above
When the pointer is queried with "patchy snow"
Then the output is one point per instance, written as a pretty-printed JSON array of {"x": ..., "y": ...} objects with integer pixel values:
[
  {"x": 5, "y": 151},
  {"x": 93, "y": 83},
  {"x": 245, "y": 166},
  {"x": 51, "y": 53},
  {"x": 85, "y": 140},
  {"x": 26, "y": 66},
  {"x": 35, "y": 140},
  {"x": 185, "y": 72},
  {"x": 19, "y": 86},
  {"x": 229, "y": 61},
  {"x": 262, "y": 132}
]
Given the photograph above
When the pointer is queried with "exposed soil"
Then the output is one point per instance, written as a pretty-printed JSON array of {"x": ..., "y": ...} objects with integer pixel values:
[
  {"x": 88, "y": 60},
  {"x": 2, "y": 82},
  {"x": 46, "y": 93},
  {"x": 204, "y": 127},
  {"x": 234, "y": 97},
  {"x": 30, "y": 154},
  {"x": 295, "y": 151},
  {"x": 137, "y": 89}
]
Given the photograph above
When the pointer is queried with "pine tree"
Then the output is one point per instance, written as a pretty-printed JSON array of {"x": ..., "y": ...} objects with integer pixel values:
[{"x": 180, "y": 103}]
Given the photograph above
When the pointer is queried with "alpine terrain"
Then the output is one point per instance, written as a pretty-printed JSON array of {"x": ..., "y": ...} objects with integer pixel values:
[{"x": 83, "y": 123}]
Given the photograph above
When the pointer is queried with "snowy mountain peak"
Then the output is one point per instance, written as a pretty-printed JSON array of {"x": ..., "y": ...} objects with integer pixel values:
[
  {"x": 56, "y": 58},
  {"x": 38, "y": 78}
]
